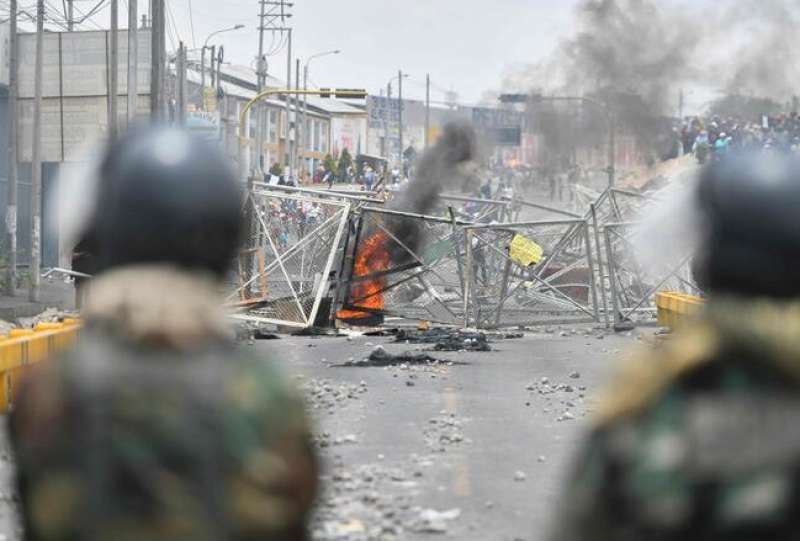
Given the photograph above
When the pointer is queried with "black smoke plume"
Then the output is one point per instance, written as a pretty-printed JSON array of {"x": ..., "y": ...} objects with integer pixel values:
[{"x": 638, "y": 55}]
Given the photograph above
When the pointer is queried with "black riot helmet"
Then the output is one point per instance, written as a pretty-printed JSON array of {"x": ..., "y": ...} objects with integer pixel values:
[
  {"x": 750, "y": 208},
  {"x": 165, "y": 196}
]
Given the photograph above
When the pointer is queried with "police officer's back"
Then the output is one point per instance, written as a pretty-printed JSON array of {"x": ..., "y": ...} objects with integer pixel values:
[
  {"x": 155, "y": 427},
  {"x": 700, "y": 439}
]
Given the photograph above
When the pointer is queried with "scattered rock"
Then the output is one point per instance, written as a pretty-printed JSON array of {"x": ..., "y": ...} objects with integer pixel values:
[
  {"x": 520, "y": 476},
  {"x": 432, "y": 521},
  {"x": 575, "y": 375}
]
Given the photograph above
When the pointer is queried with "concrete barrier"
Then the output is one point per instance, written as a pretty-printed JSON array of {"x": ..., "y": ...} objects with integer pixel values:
[
  {"x": 22, "y": 348},
  {"x": 675, "y": 309}
]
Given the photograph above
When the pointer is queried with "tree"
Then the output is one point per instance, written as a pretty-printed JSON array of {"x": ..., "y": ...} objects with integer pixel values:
[
  {"x": 276, "y": 169},
  {"x": 330, "y": 165},
  {"x": 345, "y": 162}
]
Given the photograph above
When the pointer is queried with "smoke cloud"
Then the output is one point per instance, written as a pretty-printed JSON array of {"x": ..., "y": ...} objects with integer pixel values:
[
  {"x": 638, "y": 55},
  {"x": 442, "y": 166}
]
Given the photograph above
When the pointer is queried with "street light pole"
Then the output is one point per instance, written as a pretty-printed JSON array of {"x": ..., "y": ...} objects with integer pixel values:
[
  {"x": 427, "y": 109},
  {"x": 303, "y": 132},
  {"x": 13, "y": 167},
  {"x": 400, "y": 76},
  {"x": 133, "y": 60},
  {"x": 400, "y": 122},
  {"x": 203, "y": 59},
  {"x": 36, "y": 161}
]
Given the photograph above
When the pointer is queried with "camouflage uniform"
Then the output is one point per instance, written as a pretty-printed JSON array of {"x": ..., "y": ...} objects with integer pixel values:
[
  {"x": 156, "y": 428},
  {"x": 699, "y": 439}
]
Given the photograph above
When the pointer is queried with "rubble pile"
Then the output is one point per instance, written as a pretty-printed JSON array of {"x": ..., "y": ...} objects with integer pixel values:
[
  {"x": 446, "y": 339},
  {"x": 324, "y": 395},
  {"x": 444, "y": 431},
  {"x": 562, "y": 398},
  {"x": 376, "y": 501},
  {"x": 358, "y": 505}
]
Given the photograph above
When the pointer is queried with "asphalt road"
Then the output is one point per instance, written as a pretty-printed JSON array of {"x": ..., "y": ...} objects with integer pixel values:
[
  {"x": 471, "y": 449},
  {"x": 485, "y": 441}
]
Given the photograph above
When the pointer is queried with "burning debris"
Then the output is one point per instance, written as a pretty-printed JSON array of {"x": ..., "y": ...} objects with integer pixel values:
[
  {"x": 389, "y": 244},
  {"x": 372, "y": 259}
]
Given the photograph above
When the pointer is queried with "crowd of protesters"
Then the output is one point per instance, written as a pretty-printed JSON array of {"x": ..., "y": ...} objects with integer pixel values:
[{"x": 715, "y": 136}]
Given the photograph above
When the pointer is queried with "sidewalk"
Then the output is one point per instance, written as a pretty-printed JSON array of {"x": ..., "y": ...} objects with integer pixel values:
[{"x": 53, "y": 294}]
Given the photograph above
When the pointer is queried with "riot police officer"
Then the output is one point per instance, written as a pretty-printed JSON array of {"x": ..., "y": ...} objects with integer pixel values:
[
  {"x": 155, "y": 426},
  {"x": 700, "y": 438}
]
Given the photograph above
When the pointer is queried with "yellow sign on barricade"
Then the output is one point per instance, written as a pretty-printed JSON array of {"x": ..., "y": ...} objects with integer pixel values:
[{"x": 523, "y": 251}]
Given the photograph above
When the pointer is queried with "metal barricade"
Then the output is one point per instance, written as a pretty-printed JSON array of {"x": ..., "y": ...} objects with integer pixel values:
[
  {"x": 502, "y": 292},
  {"x": 403, "y": 265},
  {"x": 285, "y": 268},
  {"x": 633, "y": 288}
]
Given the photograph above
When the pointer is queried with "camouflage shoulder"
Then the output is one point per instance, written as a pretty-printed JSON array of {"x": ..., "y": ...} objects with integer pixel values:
[
  {"x": 257, "y": 385},
  {"x": 646, "y": 374}
]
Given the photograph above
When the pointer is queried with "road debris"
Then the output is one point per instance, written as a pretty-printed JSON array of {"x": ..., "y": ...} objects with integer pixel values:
[
  {"x": 379, "y": 357},
  {"x": 445, "y": 339},
  {"x": 432, "y": 521}
]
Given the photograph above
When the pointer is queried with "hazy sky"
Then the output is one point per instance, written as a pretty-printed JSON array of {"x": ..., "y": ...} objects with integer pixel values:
[{"x": 465, "y": 45}]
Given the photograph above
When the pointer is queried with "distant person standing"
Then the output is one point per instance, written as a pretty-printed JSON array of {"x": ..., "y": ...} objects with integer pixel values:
[
  {"x": 486, "y": 189},
  {"x": 84, "y": 261},
  {"x": 369, "y": 178}
]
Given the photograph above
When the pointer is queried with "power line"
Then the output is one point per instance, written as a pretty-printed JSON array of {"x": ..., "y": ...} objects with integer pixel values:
[
  {"x": 191, "y": 23},
  {"x": 172, "y": 27}
]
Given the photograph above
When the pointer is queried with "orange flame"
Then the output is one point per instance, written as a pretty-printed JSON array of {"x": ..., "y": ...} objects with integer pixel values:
[{"x": 373, "y": 257}]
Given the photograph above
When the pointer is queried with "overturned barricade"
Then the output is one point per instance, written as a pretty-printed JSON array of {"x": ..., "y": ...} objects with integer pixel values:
[
  {"x": 529, "y": 274},
  {"x": 401, "y": 265},
  {"x": 285, "y": 267},
  {"x": 633, "y": 287}
]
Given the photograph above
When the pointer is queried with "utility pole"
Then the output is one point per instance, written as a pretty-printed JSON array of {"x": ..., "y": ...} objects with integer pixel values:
[
  {"x": 157, "y": 68},
  {"x": 13, "y": 168},
  {"x": 214, "y": 68},
  {"x": 298, "y": 129},
  {"x": 272, "y": 18},
  {"x": 261, "y": 67},
  {"x": 220, "y": 56},
  {"x": 70, "y": 15},
  {"x": 133, "y": 60},
  {"x": 180, "y": 68},
  {"x": 222, "y": 105},
  {"x": 288, "y": 103},
  {"x": 386, "y": 139},
  {"x": 400, "y": 122},
  {"x": 113, "y": 79},
  {"x": 612, "y": 147},
  {"x": 304, "y": 139},
  {"x": 36, "y": 179},
  {"x": 203, "y": 75},
  {"x": 427, "y": 108}
]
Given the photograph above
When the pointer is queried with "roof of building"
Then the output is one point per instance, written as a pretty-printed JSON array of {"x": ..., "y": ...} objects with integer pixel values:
[{"x": 241, "y": 81}]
